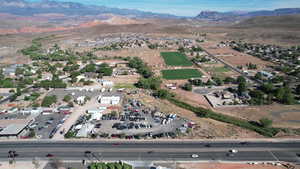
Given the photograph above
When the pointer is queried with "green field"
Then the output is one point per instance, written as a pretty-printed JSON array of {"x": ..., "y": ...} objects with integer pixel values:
[
  {"x": 124, "y": 85},
  {"x": 175, "y": 59},
  {"x": 181, "y": 74}
]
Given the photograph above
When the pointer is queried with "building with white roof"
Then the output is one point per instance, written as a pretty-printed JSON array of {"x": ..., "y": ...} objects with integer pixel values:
[
  {"x": 107, "y": 83},
  {"x": 85, "y": 130},
  {"x": 109, "y": 99}
]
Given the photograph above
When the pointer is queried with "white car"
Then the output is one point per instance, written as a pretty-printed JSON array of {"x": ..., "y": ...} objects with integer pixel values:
[
  {"x": 195, "y": 156},
  {"x": 233, "y": 151}
]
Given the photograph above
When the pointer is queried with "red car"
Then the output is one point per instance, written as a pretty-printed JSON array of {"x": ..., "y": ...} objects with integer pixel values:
[{"x": 49, "y": 155}]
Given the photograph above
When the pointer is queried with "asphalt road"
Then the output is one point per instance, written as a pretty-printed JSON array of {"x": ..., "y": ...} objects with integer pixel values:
[{"x": 154, "y": 151}]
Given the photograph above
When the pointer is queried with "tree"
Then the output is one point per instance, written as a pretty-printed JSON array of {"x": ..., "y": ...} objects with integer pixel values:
[
  {"x": 241, "y": 79},
  {"x": 196, "y": 82},
  {"x": 267, "y": 87},
  {"x": 105, "y": 70},
  {"x": 150, "y": 83},
  {"x": 257, "y": 97},
  {"x": 140, "y": 66},
  {"x": 161, "y": 93},
  {"x": 288, "y": 97},
  {"x": 114, "y": 114},
  {"x": 265, "y": 122},
  {"x": 285, "y": 95},
  {"x": 280, "y": 93},
  {"x": 187, "y": 87},
  {"x": 297, "y": 90},
  {"x": 242, "y": 87},
  {"x": 31, "y": 133},
  {"x": 229, "y": 80},
  {"x": 218, "y": 81},
  {"x": 49, "y": 100},
  {"x": 67, "y": 98}
]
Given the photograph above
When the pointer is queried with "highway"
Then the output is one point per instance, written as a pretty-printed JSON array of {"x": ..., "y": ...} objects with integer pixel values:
[{"x": 154, "y": 151}]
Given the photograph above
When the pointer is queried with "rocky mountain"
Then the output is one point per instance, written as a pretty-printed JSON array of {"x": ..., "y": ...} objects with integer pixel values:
[
  {"x": 25, "y": 8},
  {"x": 240, "y": 15}
]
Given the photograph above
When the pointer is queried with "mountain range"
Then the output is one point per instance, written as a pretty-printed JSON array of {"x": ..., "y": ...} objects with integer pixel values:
[
  {"x": 25, "y": 8},
  {"x": 240, "y": 15}
]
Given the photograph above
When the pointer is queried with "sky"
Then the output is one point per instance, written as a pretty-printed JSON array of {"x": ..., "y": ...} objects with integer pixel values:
[{"x": 192, "y": 7}]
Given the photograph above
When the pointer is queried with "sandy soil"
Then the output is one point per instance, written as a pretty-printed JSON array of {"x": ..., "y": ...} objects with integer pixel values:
[
  {"x": 22, "y": 165},
  {"x": 192, "y": 98},
  {"x": 226, "y": 166},
  {"x": 282, "y": 115},
  {"x": 131, "y": 79},
  {"x": 234, "y": 57}
]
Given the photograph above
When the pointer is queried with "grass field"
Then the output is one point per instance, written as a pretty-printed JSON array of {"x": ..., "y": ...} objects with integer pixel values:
[
  {"x": 180, "y": 74},
  {"x": 124, "y": 85},
  {"x": 221, "y": 69},
  {"x": 175, "y": 59}
]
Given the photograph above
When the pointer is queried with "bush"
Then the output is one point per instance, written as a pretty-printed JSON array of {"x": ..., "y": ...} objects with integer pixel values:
[
  {"x": 187, "y": 87},
  {"x": 265, "y": 122}
]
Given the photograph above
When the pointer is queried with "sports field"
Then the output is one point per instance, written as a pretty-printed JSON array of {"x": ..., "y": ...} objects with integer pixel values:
[
  {"x": 175, "y": 59},
  {"x": 180, "y": 74}
]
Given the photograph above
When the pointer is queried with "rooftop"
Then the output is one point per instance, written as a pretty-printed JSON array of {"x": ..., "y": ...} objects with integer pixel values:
[{"x": 13, "y": 129}]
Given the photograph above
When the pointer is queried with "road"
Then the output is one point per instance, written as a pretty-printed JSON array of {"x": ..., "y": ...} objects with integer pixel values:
[{"x": 154, "y": 151}]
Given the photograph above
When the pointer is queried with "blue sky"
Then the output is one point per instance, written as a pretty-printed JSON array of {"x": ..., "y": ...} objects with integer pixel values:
[{"x": 193, "y": 7}]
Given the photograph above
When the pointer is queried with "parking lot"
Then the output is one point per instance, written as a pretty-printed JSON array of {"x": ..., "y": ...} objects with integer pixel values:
[
  {"x": 139, "y": 120},
  {"x": 46, "y": 125}
]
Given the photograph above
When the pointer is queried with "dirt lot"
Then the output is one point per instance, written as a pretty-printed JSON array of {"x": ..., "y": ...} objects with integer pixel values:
[
  {"x": 226, "y": 166},
  {"x": 282, "y": 115},
  {"x": 233, "y": 57},
  {"x": 152, "y": 57},
  {"x": 124, "y": 79}
]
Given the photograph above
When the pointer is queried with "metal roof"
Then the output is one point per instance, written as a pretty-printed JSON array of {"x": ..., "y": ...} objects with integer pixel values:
[{"x": 13, "y": 129}]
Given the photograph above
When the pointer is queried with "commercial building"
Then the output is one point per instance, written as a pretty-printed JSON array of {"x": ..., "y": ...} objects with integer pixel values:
[
  {"x": 109, "y": 99},
  {"x": 14, "y": 130}
]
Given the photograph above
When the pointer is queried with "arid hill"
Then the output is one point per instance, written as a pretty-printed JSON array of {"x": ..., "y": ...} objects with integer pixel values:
[{"x": 288, "y": 22}]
